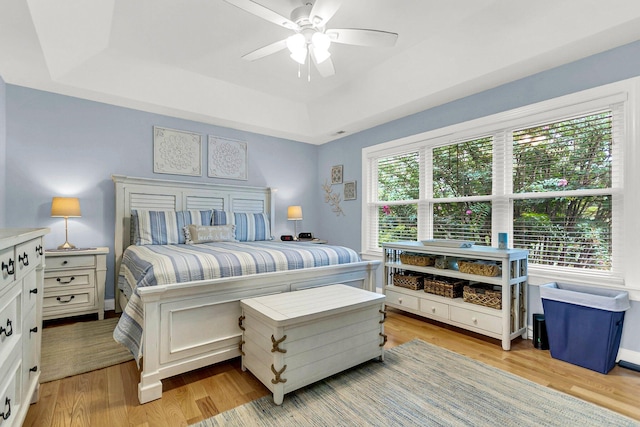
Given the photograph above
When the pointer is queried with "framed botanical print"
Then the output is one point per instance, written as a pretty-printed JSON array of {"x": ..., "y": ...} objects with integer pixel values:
[
  {"x": 336, "y": 174},
  {"x": 350, "y": 192},
  {"x": 177, "y": 152}
]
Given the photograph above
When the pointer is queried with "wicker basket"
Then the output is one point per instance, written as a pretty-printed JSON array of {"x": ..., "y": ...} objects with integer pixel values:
[
  {"x": 416, "y": 259},
  {"x": 483, "y": 295},
  {"x": 450, "y": 288},
  {"x": 479, "y": 268},
  {"x": 408, "y": 281}
]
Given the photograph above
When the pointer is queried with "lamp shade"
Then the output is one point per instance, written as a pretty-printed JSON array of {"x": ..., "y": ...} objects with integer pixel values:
[
  {"x": 294, "y": 213},
  {"x": 65, "y": 207}
]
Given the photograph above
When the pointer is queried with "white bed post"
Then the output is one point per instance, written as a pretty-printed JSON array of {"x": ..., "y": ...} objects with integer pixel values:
[{"x": 150, "y": 386}]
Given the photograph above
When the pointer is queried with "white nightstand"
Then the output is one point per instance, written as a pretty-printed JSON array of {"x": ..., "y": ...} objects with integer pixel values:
[{"x": 74, "y": 282}]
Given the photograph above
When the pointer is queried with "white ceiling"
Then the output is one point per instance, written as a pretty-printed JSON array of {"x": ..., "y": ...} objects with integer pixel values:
[{"x": 183, "y": 57}]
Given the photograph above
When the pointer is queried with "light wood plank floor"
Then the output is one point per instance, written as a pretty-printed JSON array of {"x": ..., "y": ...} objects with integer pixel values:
[{"x": 108, "y": 397}]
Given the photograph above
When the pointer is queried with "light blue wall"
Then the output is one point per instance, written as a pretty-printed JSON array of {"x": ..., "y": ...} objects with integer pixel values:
[
  {"x": 3, "y": 151},
  {"x": 60, "y": 145},
  {"x": 611, "y": 66}
]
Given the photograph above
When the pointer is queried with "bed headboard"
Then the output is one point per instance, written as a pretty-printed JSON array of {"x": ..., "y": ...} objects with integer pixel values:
[{"x": 160, "y": 194}]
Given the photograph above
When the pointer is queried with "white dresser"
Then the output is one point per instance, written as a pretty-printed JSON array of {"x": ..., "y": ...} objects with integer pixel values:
[{"x": 21, "y": 289}]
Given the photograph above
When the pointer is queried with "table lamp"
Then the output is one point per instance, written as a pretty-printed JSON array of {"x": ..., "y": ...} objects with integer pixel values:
[
  {"x": 294, "y": 213},
  {"x": 65, "y": 207}
]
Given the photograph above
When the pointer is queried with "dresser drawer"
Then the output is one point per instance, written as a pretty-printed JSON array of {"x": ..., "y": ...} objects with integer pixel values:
[
  {"x": 476, "y": 319},
  {"x": 75, "y": 300},
  {"x": 434, "y": 309},
  {"x": 61, "y": 280},
  {"x": 11, "y": 391},
  {"x": 10, "y": 321},
  {"x": 28, "y": 256},
  {"x": 8, "y": 263},
  {"x": 66, "y": 262},
  {"x": 401, "y": 299}
]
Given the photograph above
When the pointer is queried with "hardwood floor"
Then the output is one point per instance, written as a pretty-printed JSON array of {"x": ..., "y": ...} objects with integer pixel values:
[{"x": 108, "y": 397}]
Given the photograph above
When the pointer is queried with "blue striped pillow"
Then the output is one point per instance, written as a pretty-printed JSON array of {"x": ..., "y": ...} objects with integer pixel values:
[
  {"x": 252, "y": 226},
  {"x": 165, "y": 227},
  {"x": 221, "y": 217}
]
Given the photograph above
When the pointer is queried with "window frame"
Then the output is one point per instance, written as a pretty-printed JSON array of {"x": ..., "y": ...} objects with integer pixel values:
[{"x": 622, "y": 94}]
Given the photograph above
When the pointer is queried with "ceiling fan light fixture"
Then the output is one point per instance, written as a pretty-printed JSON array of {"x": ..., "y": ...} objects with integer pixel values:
[
  {"x": 296, "y": 43},
  {"x": 300, "y": 55},
  {"x": 320, "y": 41},
  {"x": 321, "y": 55}
]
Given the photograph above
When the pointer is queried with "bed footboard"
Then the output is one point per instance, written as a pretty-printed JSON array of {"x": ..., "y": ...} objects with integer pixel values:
[{"x": 192, "y": 325}]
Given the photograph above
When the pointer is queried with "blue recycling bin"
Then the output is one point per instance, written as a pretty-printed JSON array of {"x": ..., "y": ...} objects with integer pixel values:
[{"x": 584, "y": 324}]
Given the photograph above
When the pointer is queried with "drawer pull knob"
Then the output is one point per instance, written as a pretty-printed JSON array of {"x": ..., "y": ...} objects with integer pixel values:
[
  {"x": 34, "y": 330},
  {"x": 24, "y": 259},
  {"x": 65, "y": 262},
  {"x": 66, "y": 301},
  {"x": 39, "y": 249},
  {"x": 33, "y": 291},
  {"x": 475, "y": 320},
  {"x": 399, "y": 300},
  {"x": 8, "y": 331},
  {"x": 6, "y": 414},
  {"x": 11, "y": 266},
  {"x": 433, "y": 309},
  {"x": 71, "y": 279},
  {"x": 34, "y": 369}
]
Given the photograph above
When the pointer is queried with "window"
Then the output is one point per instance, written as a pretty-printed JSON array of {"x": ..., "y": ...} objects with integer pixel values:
[{"x": 549, "y": 175}]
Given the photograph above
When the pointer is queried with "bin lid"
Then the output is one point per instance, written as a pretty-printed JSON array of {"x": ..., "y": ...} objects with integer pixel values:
[{"x": 585, "y": 295}]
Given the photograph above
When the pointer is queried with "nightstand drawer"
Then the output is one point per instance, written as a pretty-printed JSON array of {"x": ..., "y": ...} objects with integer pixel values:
[
  {"x": 76, "y": 300},
  {"x": 477, "y": 320},
  {"x": 66, "y": 279},
  {"x": 69, "y": 261}
]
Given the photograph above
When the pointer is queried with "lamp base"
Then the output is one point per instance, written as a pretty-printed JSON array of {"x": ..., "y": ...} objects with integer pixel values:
[{"x": 66, "y": 245}]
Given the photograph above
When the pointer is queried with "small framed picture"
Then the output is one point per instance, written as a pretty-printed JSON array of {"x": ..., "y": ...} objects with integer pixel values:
[
  {"x": 350, "y": 192},
  {"x": 336, "y": 174}
]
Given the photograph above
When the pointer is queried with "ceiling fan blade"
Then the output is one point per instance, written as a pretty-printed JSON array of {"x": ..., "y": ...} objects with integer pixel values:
[
  {"x": 264, "y": 13},
  {"x": 266, "y": 50},
  {"x": 361, "y": 37},
  {"x": 322, "y": 11},
  {"x": 325, "y": 68}
]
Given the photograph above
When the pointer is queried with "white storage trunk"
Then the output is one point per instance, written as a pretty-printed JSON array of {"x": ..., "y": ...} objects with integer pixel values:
[{"x": 293, "y": 339}]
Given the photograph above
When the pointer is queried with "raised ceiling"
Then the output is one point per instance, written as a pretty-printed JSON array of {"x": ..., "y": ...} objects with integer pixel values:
[{"x": 183, "y": 58}]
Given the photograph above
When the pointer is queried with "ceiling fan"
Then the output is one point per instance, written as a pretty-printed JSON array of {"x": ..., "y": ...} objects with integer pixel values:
[{"x": 311, "y": 39}]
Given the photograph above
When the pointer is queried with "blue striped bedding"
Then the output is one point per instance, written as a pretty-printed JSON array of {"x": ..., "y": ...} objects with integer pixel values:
[{"x": 154, "y": 265}]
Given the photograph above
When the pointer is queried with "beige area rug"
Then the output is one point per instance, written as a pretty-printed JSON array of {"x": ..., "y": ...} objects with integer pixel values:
[
  {"x": 80, "y": 347},
  {"x": 420, "y": 384}
]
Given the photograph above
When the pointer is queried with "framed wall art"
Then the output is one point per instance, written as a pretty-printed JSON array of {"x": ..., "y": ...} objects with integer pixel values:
[
  {"x": 228, "y": 158},
  {"x": 177, "y": 152},
  {"x": 350, "y": 192},
  {"x": 336, "y": 174}
]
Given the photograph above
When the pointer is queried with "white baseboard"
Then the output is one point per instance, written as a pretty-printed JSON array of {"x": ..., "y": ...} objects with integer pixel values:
[
  {"x": 629, "y": 356},
  {"x": 109, "y": 304}
]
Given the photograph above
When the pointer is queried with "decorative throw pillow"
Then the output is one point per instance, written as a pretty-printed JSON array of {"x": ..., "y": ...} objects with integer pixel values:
[
  {"x": 220, "y": 217},
  {"x": 209, "y": 233},
  {"x": 165, "y": 227},
  {"x": 252, "y": 226}
]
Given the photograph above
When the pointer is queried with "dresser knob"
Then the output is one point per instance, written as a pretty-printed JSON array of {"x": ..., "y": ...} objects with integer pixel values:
[
  {"x": 33, "y": 291},
  {"x": 24, "y": 259},
  {"x": 11, "y": 266},
  {"x": 399, "y": 300},
  {"x": 34, "y": 369},
  {"x": 39, "y": 249},
  {"x": 474, "y": 320},
  {"x": 6, "y": 414},
  {"x": 8, "y": 331},
  {"x": 65, "y": 262},
  {"x": 34, "y": 329},
  {"x": 433, "y": 309}
]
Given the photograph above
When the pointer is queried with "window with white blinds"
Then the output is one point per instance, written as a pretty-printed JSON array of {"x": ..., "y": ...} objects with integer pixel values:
[{"x": 550, "y": 179}]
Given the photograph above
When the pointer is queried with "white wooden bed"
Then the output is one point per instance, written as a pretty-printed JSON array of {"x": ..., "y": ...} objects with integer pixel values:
[{"x": 191, "y": 325}]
